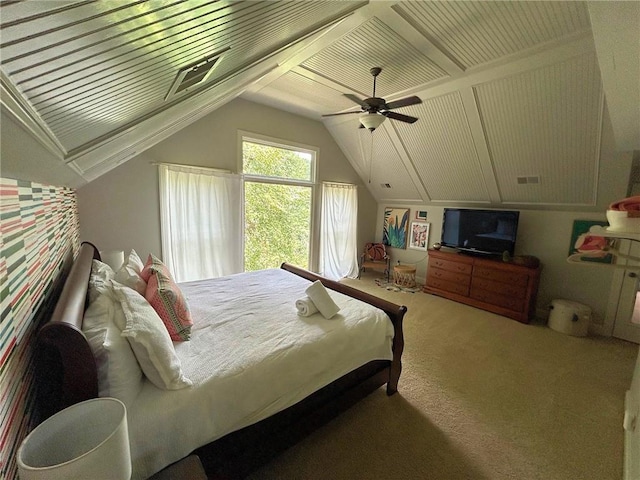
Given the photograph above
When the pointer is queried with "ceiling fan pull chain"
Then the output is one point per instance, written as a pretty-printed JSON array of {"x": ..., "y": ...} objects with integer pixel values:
[{"x": 371, "y": 156}]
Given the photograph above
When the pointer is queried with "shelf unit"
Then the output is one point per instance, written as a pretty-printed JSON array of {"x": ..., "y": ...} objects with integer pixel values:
[{"x": 607, "y": 232}]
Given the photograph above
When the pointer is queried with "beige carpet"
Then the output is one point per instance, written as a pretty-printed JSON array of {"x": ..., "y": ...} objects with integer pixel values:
[{"x": 480, "y": 397}]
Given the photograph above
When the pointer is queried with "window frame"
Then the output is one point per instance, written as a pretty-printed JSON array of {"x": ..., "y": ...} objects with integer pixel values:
[{"x": 245, "y": 136}]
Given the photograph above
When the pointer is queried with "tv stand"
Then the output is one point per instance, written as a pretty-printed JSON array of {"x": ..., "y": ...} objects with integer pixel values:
[{"x": 505, "y": 288}]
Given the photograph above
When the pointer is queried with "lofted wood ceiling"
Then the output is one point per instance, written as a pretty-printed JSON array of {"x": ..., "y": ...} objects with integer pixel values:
[{"x": 512, "y": 94}]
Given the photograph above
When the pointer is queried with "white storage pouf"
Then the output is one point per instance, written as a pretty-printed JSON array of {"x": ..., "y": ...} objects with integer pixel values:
[{"x": 570, "y": 317}]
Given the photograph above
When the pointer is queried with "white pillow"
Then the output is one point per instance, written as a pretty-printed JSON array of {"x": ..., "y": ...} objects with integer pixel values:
[
  {"x": 101, "y": 274},
  {"x": 150, "y": 341},
  {"x": 119, "y": 374},
  {"x": 129, "y": 273}
]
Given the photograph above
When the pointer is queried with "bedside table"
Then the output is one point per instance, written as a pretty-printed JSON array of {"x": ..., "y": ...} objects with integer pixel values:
[{"x": 189, "y": 468}]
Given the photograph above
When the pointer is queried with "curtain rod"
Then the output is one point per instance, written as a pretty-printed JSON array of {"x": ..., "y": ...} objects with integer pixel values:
[
  {"x": 220, "y": 170},
  {"x": 339, "y": 184}
]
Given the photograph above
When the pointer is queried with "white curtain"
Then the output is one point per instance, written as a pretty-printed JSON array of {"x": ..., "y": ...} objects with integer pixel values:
[
  {"x": 201, "y": 222},
  {"x": 338, "y": 233}
]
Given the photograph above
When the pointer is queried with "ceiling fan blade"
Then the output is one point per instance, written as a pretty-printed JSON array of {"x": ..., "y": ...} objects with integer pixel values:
[
  {"x": 355, "y": 99},
  {"x": 403, "y": 102},
  {"x": 341, "y": 113},
  {"x": 399, "y": 116}
]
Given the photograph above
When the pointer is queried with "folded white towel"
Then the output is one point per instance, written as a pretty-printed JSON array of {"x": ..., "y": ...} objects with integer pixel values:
[
  {"x": 305, "y": 307},
  {"x": 322, "y": 300}
]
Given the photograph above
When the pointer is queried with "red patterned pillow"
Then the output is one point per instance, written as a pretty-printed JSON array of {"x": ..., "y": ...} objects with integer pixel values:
[
  {"x": 154, "y": 264},
  {"x": 167, "y": 300},
  {"x": 376, "y": 251}
]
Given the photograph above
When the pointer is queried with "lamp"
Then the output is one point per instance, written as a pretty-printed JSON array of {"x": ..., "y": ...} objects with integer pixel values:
[
  {"x": 88, "y": 440},
  {"x": 371, "y": 120},
  {"x": 113, "y": 258}
]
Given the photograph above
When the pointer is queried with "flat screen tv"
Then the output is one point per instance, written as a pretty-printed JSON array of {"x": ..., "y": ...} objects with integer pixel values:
[{"x": 488, "y": 232}]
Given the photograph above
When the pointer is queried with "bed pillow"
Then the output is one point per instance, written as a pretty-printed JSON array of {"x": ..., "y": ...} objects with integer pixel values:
[
  {"x": 154, "y": 264},
  {"x": 166, "y": 298},
  {"x": 129, "y": 273},
  {"x": 99, "y": 278},
  {"x": 150, "y": 341},
  {"x": 119, "y": 374}
]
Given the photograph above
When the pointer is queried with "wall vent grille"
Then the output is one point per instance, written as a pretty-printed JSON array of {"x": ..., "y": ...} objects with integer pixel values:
[
  {"x": 194, "y": 74},
  {"x": 528, "y": 180}
]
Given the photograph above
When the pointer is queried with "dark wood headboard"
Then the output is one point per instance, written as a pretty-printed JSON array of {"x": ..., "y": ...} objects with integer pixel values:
[{"x": 67, "y": 371}]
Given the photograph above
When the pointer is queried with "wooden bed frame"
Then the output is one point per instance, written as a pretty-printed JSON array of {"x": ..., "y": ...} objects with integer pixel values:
[{"x": 67, "y": 374}]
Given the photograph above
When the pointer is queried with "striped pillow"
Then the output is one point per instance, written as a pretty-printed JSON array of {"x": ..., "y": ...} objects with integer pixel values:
[
  {"x": 154, "y": 264},
  {"x": 167, "y": 300}
]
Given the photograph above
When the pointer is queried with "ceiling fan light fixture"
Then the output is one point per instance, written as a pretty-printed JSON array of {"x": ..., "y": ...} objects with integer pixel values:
[{"x": 371, "y": 121}]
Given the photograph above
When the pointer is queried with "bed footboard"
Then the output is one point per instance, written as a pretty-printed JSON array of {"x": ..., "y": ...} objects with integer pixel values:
[{"x": 395, "y": 313}]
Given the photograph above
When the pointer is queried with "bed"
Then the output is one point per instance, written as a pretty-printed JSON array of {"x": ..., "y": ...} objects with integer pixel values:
[{"x": 304, "y": 397}]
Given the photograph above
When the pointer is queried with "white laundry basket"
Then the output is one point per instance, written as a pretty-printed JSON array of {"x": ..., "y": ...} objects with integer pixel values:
[{"x": 569, "y": 317}]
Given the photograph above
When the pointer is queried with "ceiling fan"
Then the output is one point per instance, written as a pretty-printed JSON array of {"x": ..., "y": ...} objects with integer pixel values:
[{"x": 376, "y": 109}]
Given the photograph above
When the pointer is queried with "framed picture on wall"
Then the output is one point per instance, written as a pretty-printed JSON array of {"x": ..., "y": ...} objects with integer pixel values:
[
  {"x": 396, "y": 227},
  {"x": 589, "y": 243},
  {"x": 421, "y": 215},
  {"x": 419, "y": 236}
]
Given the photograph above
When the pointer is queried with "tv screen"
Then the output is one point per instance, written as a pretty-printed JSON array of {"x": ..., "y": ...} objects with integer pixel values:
[{"x": 490, "y": 232}]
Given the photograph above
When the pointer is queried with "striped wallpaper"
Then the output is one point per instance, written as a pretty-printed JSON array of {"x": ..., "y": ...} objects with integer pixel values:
[{"x": 38, "y": 231}]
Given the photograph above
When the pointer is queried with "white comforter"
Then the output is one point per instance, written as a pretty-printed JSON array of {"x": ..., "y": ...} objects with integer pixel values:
[{"x": 250, "y": 356}]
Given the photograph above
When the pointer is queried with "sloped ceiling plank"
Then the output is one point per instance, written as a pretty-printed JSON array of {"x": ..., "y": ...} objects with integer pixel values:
[
  {"x": 615, "y": 32},
  {"x": 374, "y": 44},
  {"x": 441, "y": 148},
  {"x": 385, "y": 166},
  {"x": 137, "y": 95},
  {"x": 545, "y": 122},
  {"x": 166, "y": 41},
  {"x": 300, "y": 87},
  {"x": 474, "y": 33},
  {"x": 113, "y": 86},
  {"x": 351, "y": 145}
]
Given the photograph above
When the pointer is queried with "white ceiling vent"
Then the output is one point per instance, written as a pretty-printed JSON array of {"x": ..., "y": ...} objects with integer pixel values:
[
  {"x": 194, "y": 74},
  {"x": 526, "y": 180}
]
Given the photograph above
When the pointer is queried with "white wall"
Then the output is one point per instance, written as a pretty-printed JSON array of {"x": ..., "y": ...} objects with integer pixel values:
[
  {"x": 120, "y": 210},
  {"x": 22, "y": 157},
  {"x": 546, "y": 234}
]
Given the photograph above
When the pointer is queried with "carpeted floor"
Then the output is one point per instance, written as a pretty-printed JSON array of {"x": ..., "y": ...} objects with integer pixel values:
[{"x": 480, "y": 397}]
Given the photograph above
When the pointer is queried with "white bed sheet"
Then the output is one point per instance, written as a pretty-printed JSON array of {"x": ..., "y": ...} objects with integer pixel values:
[{"x": 250, "y": 356}]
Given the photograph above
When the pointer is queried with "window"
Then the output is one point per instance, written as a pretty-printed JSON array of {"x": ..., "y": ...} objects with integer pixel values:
[{"x": 278, "y": 203}]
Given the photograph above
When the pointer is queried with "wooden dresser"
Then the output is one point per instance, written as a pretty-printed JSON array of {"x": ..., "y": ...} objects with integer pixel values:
[{"x": 505, "y": 288}]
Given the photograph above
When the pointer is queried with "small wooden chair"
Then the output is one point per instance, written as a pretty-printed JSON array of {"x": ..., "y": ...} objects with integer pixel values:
[{"x": 375, "y": 257}]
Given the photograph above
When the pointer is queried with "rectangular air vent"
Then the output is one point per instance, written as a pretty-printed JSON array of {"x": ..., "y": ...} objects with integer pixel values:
[
  {"x": 528, "y": 180},
  {"x": 194, "y": 74},
  {"x": 385, "y": 185}
]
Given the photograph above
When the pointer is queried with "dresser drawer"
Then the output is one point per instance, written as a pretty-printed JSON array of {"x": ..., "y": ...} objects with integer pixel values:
[
  {"x": 512, "y": 303},
  {"x": 513, "y": 278},
  {"x": 438, "y": 273},
  {"x": 448, "y": 265},
  {"x": 460, "y": 289},
  {"x": 506, "y": 289}
]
